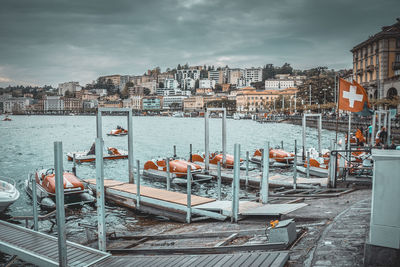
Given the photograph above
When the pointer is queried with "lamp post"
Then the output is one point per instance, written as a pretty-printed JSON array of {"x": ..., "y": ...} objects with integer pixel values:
[{"x": 325, "y": 89}]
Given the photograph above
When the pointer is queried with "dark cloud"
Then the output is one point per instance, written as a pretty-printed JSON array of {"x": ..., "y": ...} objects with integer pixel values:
[{"x": 47, "y": 41}]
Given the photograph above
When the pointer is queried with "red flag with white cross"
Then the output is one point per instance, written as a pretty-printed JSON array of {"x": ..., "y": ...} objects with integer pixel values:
[{"x": 352, "y": 96}]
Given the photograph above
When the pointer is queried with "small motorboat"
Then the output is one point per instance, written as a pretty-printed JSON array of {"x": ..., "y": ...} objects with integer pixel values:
[
  {"x": 90, "y": 156},
  {"x": 215, "y": 158},
  {"x": 318, "y": 167},
  {"x": 6, "y": 118},
  {"x": 118, "y": 132},
  {"x": 8, "y": 193},
  {"x": 275, "y": 156},
  {"x": 157, "y": 169},
  {"x": 75, "y": 192}
]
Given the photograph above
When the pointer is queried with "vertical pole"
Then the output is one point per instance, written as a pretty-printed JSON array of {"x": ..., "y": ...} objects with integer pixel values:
[
  {"x": 236, "y": 183},
  {"x": 32, "y": 180},
  {"x": 189, "y": 194},
  {"x": 98, "y": 124},
  {"x": 295, "y": 166},
  {"x": 174, "y": 152},
  {"x": 331, "y": 168},
  {"x": 190, "y": 153},
  {"x": 168, "y": 175},
  {"x": 389, "y": 129},
  {"x": 379, "y": 119},
  {"x": 100, "y": 195},
  {"x": 138, "y": 185},
  {"x": 304, "y": 137},
  {"x": 308, "y": 164},
  {"x": 219, "y": 179},
  {"x": 265, "y": 175},
  {"x": 224, "y": 138},
  {"x": 74, "y": 164},
  {"x": 295, "y": 101},
  {"x": 334, "y": 90},
  {"x": 348, "y": 139},
  {"x": 319, "y": 134},
  {"x": 206, "y": 133},
  {"x": 247, "y": 168},
  {"x": 282, "y": 144},
  {"x": 62, "y": 240},
  {"x": 373, "y": 129},
  {"x": 310, "y": 94},
  {"x": 131, "y": 164},
  {"x": 385, "y": 116}
]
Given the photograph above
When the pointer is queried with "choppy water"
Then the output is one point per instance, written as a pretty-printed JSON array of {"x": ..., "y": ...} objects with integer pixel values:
[{"x": 26, "y": 143}]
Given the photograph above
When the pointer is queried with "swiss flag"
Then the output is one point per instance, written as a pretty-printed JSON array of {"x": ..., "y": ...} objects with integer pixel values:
[{"x": 352, "y": 96}]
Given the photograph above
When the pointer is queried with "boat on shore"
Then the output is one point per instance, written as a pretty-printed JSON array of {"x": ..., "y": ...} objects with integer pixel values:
[
  {"x": 75, "y": 193},
  {"x": 90, "y": 156},
  {"x": 8, "y": 193}
]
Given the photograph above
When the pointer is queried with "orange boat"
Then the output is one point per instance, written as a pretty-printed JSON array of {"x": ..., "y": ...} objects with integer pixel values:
[
  {"x": 176, "y": 166},
  {"x": 118, "y": 132},
  {"x": 74, "y": 190},
  {"x": 277, "y": 155},
  {"x": 6, "y": 118},
  {"x": 89, "y": 156},
  {"x": 215, "y": 158}
]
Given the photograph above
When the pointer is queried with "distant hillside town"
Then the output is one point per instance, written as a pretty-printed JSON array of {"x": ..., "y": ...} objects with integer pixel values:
[{"x": 376, "y": 65}]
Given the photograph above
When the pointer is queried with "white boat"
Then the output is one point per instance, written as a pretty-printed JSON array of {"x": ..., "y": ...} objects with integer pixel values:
[
  {"x": 8, "y": 193},
  {"x": 178, "y": 114}
]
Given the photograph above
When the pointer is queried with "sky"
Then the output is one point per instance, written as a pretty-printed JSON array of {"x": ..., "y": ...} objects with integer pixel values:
[{"x": 55, "y": 41}]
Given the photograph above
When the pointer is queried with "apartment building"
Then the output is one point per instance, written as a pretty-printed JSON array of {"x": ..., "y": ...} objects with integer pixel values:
[
  {"x": 376, "y": 62},
  {"x": 53, "y": 103},
  {"x": 171, "y": 84},
  {"x": 206, "y": 83},
  {"x": 194, "y": 103},
  {"x": 173, "y": 102},
  {"x": 72, "y": 87},
  {"x": 187, "y": 73},
  {"x": 252, "y": 75},
  {"x": 216, "y": 75}
]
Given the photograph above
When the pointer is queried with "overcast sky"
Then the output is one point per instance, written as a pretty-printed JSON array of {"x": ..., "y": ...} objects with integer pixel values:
[{"x": 50, "y": 41}]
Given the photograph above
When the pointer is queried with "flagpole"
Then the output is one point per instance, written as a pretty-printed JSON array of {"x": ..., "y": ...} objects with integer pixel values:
[{"x": 337, "y": 108}]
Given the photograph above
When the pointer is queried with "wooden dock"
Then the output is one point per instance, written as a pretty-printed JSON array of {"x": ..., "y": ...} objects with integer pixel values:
[{"x": 174, "y": 204}]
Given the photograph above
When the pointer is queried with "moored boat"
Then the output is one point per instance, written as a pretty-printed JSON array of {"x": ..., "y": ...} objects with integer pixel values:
[
  {"x": 118, "y": 132},
  {"x": 8, "y": 193},
  {"x": 75, "y": 192},
  {"x": 215, "y": 158},
  {"x": 275, "y": 156},
  {"x": 90, "y": 156},
  {"x": 6, "y": 118}
]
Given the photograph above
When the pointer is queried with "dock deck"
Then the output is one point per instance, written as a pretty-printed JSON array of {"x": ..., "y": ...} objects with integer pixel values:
[{"x": 41, "y": 249}]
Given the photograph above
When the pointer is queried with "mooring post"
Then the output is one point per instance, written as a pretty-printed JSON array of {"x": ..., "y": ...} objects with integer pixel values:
[
  {"x": 138, "y": 185},
  {"x": 331, "y": 168},
  {"x": 247, "y": 168},
  {"x": 319, "y": 134},
  {"x": 295, "y": 166},
  {"x": 308, "y": 164},
  {"x": 60, "y": 211},
  {"x": 168, "y": 175},
  {"x": 304, "y": 137},
  {"x": 219, "y": 179},
  {"x": 100, "y": 203},
  {"x": 174, "y": 151},
  {"x": 131, "y": 162},
  {"x": 206, "y": 141},
  {"x": 190, "y": 153},
  {"x": 236, "y": 183},
  {"x": 73, "y": 164},
  {"x": 32, "y": 180},
  {"x": 265, "y": 175},
  {"x": 282, "y": 144},
  {"x": 189, "y": 194},
  {"x": 224, "y": 138},
  {"x": 349, "y": 139}
]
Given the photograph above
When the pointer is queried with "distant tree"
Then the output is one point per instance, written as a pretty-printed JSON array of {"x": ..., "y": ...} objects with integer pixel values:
[
  {"x": 186, "y": 66},
  {"x": 69, "y": 94},
  {"x": 179, "y": 67},
  {"x": 258, "y": 85},
  {"x": 268, "y": 72},
  {"x": 285, "y": 69}
]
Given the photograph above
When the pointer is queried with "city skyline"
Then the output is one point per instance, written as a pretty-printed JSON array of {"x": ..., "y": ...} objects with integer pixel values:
[{"x": 46, "y": 42}]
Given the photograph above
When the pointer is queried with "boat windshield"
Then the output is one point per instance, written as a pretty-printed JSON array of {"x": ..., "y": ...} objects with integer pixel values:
[{"x": 7, "y": 185}]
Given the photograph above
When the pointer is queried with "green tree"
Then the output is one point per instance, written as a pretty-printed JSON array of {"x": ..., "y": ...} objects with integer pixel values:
[{"x": 268, "y": 72}]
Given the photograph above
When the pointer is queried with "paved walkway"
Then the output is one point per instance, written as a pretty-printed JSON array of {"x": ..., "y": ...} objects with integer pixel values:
[{"x": 342, "y": 242}]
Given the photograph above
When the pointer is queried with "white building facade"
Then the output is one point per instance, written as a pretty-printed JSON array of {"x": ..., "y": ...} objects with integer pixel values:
[{"x": 252, "y": 75}]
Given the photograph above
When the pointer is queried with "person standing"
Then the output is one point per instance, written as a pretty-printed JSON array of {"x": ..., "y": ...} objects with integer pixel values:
[{"x": 383, "y": 136}]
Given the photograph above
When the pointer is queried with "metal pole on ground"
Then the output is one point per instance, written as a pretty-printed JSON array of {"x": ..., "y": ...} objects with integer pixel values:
[
  {"x": 219, "y": 179},
  {"x": 265, "y": 175},
  {"x": 73, "y": 164},
  {"x": 236, "y": 183},
  {"x": 131, "y": 163},
  {"x": 224, "y": 138},
  {"x": 100, "y": 203},
  {"x": 189, "y": 194},
  {"x": 206, "y": 141},
  {"x": 168, "y": 176},
  {"x": 247, "y": 168},
  {"x": 295, "y": 166},
  {"x": 308, "y": 164},
  {"x": 32, "y": 180},
  {"x": 138, "y": 185},
  {"x": 60, "y": 211}
]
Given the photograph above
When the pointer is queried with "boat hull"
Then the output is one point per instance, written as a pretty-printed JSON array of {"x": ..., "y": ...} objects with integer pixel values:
[
  {"x": 8, "y": 194},
  {"x": 83, "y": 157}
]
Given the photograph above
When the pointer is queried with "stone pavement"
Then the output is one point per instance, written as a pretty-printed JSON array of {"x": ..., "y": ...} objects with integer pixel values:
[{"x": 342, "y": 242}]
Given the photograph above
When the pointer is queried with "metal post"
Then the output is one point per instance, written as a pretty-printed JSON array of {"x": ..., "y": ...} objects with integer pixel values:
[
  {"x": 219, "y": 179},
  {"x": 308, "y": 164},
  {"x": 389, "y": 129},
  {"x": 168, "y": 175},
  {"x": 189, "y": 194},
  {"x": 100, "y": 195},
  {"x": 379, "y": 120},
  {"x": 247, "y": 168},
  {"x": 138, "y": 185},
  {"x": 174, "y": 152},
  {"x": 295, "y": 166},
  {"x": 319, "y": 134},
  {"x": 60, "y": 211},
  {"x": 373, "y": 129},
  {"x": 32, "y": 180},
  {"x": 207, "y": 152},
  {"x": 131, "y": 164},
  {"x": 348, "y": 138},
  {"x": 190, "y": 153},
  {"x": 236, "y": 183},
  {"x": 224, "y": 138},
  {"x": 265, "y": 175},
  {"x": 335, "y": 89},
  {"x": 304, "y": 137},
  {"x": 310, "y": 94},
  {"x": 73, "y": 164},
  {"x": 282, "y": 144},
  {"x": 331, "y": 168},
  {"x": 98, "y": 124},
  {"x": 295, "y": 101}
]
